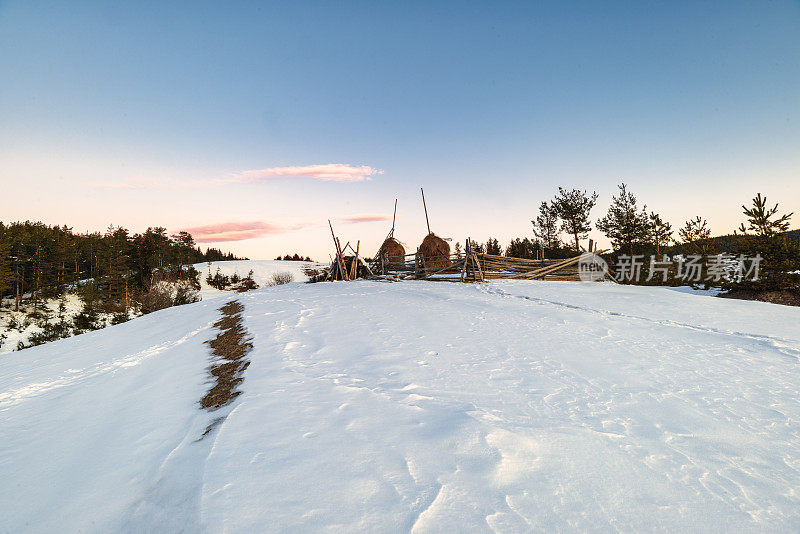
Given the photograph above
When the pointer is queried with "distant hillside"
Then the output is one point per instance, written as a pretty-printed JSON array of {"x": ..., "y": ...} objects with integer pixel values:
[{"x": 731, "y": 242}]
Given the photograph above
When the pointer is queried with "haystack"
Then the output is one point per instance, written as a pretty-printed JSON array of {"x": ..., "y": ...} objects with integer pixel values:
[
  {"x": 392, "y": 251},
  {"x": 435, "y": 253}
]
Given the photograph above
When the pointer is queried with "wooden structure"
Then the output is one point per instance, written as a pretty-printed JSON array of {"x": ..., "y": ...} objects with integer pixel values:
[
  {"x": 392, "y": 252},
  {"x": 433, "y": 261}
]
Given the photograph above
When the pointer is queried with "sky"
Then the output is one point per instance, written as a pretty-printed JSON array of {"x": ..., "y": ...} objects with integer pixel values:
[{"x": 251, "y": 124}]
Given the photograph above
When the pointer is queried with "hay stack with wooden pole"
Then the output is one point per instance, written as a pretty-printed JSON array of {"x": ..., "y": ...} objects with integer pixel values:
[
  {"x": 434, "y": 251},
  {"x": 392, "y": 251}
]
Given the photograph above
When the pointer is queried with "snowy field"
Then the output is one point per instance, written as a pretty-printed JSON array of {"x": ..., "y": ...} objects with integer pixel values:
[
  {"x": 416, "y": 406},
  {"x": 262, "y": 272}
]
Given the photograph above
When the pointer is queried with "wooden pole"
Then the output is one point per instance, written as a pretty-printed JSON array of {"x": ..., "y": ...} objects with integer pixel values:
[
  {"x": 479, "y": 270},
  {"x": 426, "y": 210},
  {"x": 466, "y": 258},
  {"x": 354, "y": 273},
  {"x": 394, "y": 217},
  {"x": 338, "y": 252}
]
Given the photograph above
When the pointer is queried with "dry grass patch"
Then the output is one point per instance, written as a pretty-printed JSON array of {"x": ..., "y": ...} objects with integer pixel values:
[{"x": 229, "y": 349}]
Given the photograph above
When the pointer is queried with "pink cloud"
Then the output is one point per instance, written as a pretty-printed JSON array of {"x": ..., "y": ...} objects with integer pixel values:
[
  {"x": 365, "y": 218},
  {"x": 236, "y": 231},
  {"x": 334, "y": 172}
]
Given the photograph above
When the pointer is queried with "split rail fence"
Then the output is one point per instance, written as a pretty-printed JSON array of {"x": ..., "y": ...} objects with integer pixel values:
[{"x": 468, "y": 266}]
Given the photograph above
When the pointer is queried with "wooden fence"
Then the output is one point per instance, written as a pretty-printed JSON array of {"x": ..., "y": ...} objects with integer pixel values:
[{"x": 469, "y": 266}]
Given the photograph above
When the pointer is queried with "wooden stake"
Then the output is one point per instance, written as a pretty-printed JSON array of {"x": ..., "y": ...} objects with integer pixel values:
[
  {"x": 477, "y": 265},
  {"x": 338, "y": 252},
  {"x": 426, "y": 210},
  {"x": 394, "y": 217},
  {"x": 354, "y": 272}
]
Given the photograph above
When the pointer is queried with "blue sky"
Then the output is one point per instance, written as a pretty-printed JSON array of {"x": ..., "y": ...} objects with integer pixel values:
[{"x": 142, "y": 114}]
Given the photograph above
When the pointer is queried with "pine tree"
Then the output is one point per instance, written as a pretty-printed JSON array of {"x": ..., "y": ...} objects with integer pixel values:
[
  {"x": 493, "y": 247},
  {"x": 522, "y": 248},
  {"x": 624, "y": 224},
  {"x": 780, "y": 257},
  {"x": 760, "y": 221},
  {"x": 545, "y": 226},
  {"x": 184, "y": 244},
  {"x": 694, "y": 230},
  {"x": 6, "y": 279},
  {"x": 660, "y": 232},
  {"x": 573, "y": 208},
  {"x": 115, "y": 257}
]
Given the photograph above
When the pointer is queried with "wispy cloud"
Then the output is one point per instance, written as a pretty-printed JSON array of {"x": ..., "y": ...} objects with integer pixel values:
[
  {"x": 331, "y": 172},
  {"x": 237, "y": 231},
  {"x": 334, "y": 172},
  {"x": 365, "y": 218}
]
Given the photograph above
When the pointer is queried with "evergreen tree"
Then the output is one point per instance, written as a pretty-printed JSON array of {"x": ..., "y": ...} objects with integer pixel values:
[
  {"x": 760, "y": 219},
  {"x": 573, "y": 208},
  {"x": 695, "y": 233},
  {"x": 660, "y": 232},
  {"x": 780, "y": 256},
  {"x": 493, "y": 247},
  {"x": 522, "y": 248},
  {"x": 184, "y": 245},
  {"x": 624, "y": 224},
  {"x": 115, "y": 261},
  {"x": 6, "y": 279},
  {"x": 545, "y": 226}
]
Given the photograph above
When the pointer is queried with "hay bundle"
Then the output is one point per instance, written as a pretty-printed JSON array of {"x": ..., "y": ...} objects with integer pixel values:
[
  {"x": 392, "y": 251},
  {"x": 435, "y": 253}
]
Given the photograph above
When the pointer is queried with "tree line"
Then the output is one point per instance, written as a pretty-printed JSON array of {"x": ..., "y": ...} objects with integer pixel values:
[
  {"x": 633, "y": 230},
  {"x": 293, "y": 257},
  {"x": 45, "y": 261}
]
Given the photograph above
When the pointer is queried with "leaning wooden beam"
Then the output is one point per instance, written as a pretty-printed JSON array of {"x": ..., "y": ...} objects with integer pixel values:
[
  {"x": 477, "y": 265},
  {"x": 558, "y": 267},
  {"x": 343, "y": 268},
  {"x": 354, "y": 274},
  {"x": 338, "y": 250},
  {"x": 361, "y": 260}
]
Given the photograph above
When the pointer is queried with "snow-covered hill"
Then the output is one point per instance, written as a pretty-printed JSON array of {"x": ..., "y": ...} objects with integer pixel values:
[
  {"x": 262, "y": 272},
  {"x": 416, "y": 406},
  {"x": 19, "y": 327}
]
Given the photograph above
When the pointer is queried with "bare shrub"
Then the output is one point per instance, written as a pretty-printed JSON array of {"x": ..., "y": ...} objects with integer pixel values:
[
  {"x": 165, "y": 294},
  {"x": 157, "y": 298},
  {"x": 185, "y": 294},
  {"x": 278, "y": 279}
]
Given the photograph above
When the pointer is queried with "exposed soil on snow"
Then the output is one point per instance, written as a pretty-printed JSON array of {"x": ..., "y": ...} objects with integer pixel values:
[
  {"x": 787, "y": 297},
  {"x": 229, "y": 349}
]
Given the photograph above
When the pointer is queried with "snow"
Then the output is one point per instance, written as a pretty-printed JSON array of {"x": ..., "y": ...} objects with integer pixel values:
[
  {"x": 416, "y": 406},
  {"x": 262, "y": 272},
  {"x": 27, "y": 326}
]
